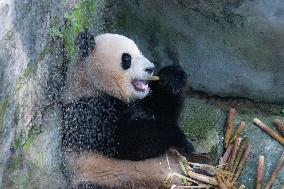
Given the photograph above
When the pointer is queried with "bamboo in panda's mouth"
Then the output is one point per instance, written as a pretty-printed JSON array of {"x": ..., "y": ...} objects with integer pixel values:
[{"x": 153, "y": 78}]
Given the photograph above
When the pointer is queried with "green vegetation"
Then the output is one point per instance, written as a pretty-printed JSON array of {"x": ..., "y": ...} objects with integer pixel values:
[
  {"x": 31, "y": 69},
  {"x": 3, "y": 108},
  {"x": 198, "y": 119},
  {"x": 15, "y": 163},
  {"x": 16, "y": 113},
  {"x": 282, "y": 111},
  {"x": 214, "y": 151},
  {"x": 34, "y": 131},
  {"x": 55, "y": 32},
  {"x": 8, "y": 37},
  {"x": 20, "y": 147},
  {"x": 79, "y": 19},
  {"x": 23, "y": 180},
  {"x": 17, "y": 158}
]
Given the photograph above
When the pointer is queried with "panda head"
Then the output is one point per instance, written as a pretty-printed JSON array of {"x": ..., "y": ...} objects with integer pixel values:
[{"x": 114, "y": 65}]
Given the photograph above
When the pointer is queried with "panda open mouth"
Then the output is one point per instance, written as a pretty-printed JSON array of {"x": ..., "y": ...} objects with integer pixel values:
[{"x": 139, "y": 85}]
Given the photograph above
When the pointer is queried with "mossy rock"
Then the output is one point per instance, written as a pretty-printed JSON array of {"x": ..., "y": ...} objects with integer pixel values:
[
  {"x": 3, "y": 108},
  {"x": 198, "y": 118},
  {"x": 79, "y": 19},
  {"x": 203, "y": 125}
]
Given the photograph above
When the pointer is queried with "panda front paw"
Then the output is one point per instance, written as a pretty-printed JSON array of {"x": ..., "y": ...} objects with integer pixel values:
[
  {"x": 172, "y": 79},
  {"x": 189, "y": 148}
]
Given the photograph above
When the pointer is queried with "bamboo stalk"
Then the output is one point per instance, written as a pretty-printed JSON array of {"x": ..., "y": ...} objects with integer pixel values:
[
  {"x": 259, "y": 172},
  {"x": 221, "y": 184},
  {"x": 230, "y": 125},
  {"x": 153, "y": 78},
  {"x": 190, "y": 187},
  {"x": 242, "y": 148},
  {"x": 225, "y": 157},
  {"x": 230, "y": 164},
  {"x": 275, "y": 172},
  {"x": 241, "y": 164},
  {"x": 202, "y": 178},
  {"x": 269, "y": 131},
  {"x": 279, "y": 126},
  {"x": 242, "y": 125}
]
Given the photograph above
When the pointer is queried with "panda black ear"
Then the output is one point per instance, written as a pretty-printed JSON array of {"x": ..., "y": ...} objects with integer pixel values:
[{"x": 85, "y": 43}]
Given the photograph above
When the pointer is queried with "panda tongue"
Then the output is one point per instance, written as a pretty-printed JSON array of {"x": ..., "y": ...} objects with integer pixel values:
[{"x": 139, "y": 85}]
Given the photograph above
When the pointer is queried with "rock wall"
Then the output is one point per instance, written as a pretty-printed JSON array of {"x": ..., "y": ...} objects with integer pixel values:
[
  {"x": 33, "y": 58},
  {"x": 230, "y": 48},
  {"x": 30, "y": 79}
]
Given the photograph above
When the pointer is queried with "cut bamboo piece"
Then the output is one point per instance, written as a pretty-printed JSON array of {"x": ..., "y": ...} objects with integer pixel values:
[
  {"x": 259, "y": 172},
  {"x": 275, "y": 172},
  {"x": 202, "y": 178},
  {"x": 279, "y": 126},
  {"x": 242, "y": 125},
  {"x": 230, "y": 125},
  {"x": 243, "y": 146},
  {"x": 241, "y": 164},
  {"x": 225, "y": 157},
  {"x": 231, "y": 161},
  {"x": 153, "y": 78},
  {"x": 269, "y": 131},
  {"x": 221, "y": 184}
]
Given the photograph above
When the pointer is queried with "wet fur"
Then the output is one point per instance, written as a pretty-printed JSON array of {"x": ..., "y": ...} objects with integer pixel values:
[
  {"x": 98, "y": 123},
  {"x": 126, "y": 131},
  {"x": 92, "y": 170},
  {"x": 132, "y": 131}
]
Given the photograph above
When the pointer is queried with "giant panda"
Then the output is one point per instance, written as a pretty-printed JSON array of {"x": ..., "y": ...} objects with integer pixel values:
[{"x": 117, "y": 128}]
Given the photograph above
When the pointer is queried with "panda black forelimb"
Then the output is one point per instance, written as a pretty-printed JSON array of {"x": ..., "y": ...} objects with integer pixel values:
[
  {"x": 153, "y": 127},
  {"x": 141, "y": 139},
  {"x": 166, "y": 97}
]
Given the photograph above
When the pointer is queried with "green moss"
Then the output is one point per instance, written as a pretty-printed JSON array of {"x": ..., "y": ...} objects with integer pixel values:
[
  {"x": 43, "y": 53},
  {"x": 38, "y": 158},
  {"x": 17, "y": 143},
  {"x": 17, "y": 157},
  {"x": 34, "y": 65},
  {"x": 9, "y": 35},
  {"x": 55, "y": 33},
  {"x": 198, "y": 119},
  {"x": 18, "y": 85},
  {"x": 17, "y": 113},
  {"x": 3, "y": 108},
  {"x": 33, "y": 133},
  {"x": 214, "y": 151},
  {"x": 79, "y": 19},
  {"x": 15, "y": 163},
  {"x": 22, "y": 180},
  {"x": 31, "y": 69}
]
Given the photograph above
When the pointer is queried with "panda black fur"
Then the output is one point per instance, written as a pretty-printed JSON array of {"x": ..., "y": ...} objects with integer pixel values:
[{"x": 111, "y": 121}]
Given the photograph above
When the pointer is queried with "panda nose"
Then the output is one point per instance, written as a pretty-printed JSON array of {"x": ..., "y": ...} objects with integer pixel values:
[{"x": 149, "y": 70}]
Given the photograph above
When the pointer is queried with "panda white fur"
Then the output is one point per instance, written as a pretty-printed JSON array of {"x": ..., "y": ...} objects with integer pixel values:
[{"x": 114, "y": 134}]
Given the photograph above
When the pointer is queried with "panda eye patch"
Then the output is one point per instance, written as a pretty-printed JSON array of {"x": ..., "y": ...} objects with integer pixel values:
[{"x": 125, "y": 61}]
